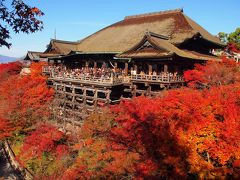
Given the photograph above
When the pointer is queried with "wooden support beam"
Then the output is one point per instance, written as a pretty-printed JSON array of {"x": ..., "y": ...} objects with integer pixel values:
[
  {"x": 165, "y": 68},
  {"x": 135, "y": 67},
  {"x": 95, "y": 98},
  {"x": 126, "y": 69},
  {"x": 149, "y": 69},
  {"x": 149, "y": 90},
  {"x": 108, "y": 96},
  {"x": 56, "y": 87},
  {"x": 134, "y": 90},
  {"x": 84, "y": 95},
  {"x": 73, "y": 93},
  {"x": 95, "y": 64}
]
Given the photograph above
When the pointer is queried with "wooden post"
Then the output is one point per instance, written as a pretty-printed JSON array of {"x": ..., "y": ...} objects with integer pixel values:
[
  {"x": 149, "y": 90},
  {"x": 165, "y": 68},
  {"x": 94, "y": 68},
  {"x": 73, "y": 96},
  {"x": 136, "y": 68},
  {"x": 108, "y": 96},
  {"x": 63, "y": 89},
  {"x": 64, "y": 107},
  {"x": 95, "y": 99},
  {"x": 134, "y": 89},
  {"x": 86, "y": 63},
  {"x": 115, "y": 64},
  {"x": 56, "y": 89},
  {"x": 95, "y": 64},
  {"x": 126, "y": 69},
  {"x": 149, "y": 69},
  {"x": 84, "y": 96}
]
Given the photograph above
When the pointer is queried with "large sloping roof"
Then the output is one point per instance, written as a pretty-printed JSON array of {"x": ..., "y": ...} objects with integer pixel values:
[
  {"x": 157, "y": 46},
  {"x": 122, "y": 35}
]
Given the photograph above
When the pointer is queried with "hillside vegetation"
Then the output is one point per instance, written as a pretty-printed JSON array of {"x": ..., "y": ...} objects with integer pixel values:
[{"x": 192, "y": 132}]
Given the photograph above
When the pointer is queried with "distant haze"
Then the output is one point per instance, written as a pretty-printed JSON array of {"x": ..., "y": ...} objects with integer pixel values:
[{"x": 6, "y": 59}]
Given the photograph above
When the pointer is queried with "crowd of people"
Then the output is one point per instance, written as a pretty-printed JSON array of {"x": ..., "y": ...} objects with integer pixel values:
[
  {"x": 85, "y": 72},
  {"x": 102, "y": 73}
]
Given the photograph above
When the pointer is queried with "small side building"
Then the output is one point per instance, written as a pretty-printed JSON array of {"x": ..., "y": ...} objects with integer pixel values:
[{"x": 34, "y": 56}]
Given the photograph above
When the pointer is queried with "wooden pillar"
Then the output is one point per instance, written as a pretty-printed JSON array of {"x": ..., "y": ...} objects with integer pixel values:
[
  {"x": 64, "y": 88},
  {"x": 149, "y": 69},
  {"x": 149, "y": 90},
  {"x": 94, "y": 68},
  {"x": 165, "y": 68},
  {"x": 73, "y": 96},
  {"x": 64, "y": 107},
  {"x": 126, "y": 69},
  {"x": 134, "y": 90},
  {"x": 115, "y": 64},
  {"x": 84, "y": 96},
  {"x": 86, "y": 63},
  {"x": 108, "y": 96},
  {"x": 95, "y": 98},
  {"x": 56, "y": 88},
  {"x": 95, "y": 64},
  {"x": 135, "y": 67}
]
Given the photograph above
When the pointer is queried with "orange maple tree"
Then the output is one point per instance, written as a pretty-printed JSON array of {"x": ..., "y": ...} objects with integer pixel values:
[
  {"x": 6, "y": 129},
  {"x": 44, "y": 151},
  {"x": 26, "y": 98},
  {"x": 213, "y": 73},
  {"x": 187, "y": 133}
]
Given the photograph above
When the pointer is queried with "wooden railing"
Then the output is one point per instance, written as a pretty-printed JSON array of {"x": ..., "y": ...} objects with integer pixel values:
[
  {"x": 88, "y": 79},
  {"x": 46, "y": 69},
  {"x": 163, "y": 78}
]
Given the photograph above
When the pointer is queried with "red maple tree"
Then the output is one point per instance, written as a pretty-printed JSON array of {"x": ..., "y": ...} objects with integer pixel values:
[
  {"x": 26, "y": 98},
  {"x": 213, "y": 74}
]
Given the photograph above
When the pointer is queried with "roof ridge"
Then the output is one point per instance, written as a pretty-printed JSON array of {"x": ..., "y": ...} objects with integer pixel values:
[
  {"x": 64, "y": 41},
  {"x": 34, "y": 52},
  {"x": 154, "y": 13}
]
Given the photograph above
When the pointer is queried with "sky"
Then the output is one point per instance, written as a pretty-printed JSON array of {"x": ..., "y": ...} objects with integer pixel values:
[{"x": 76, "y": 19}]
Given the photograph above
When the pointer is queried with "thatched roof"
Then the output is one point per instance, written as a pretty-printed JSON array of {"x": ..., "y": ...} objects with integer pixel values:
[
  {"x": 157, "y": 46},
  {"x": 59, "y": 47},
  {"x": 117, "y": 38},
  {"x": 33, "y": 56},
  {"x": 124, "y": 34}
]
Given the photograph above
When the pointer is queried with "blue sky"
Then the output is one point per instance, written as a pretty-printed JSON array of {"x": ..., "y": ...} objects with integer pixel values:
[{"x": 75, "y": 19}]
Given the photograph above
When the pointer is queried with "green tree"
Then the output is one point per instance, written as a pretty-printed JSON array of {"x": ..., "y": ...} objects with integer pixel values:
[
  {"x": 18, "y": 16},
  {"x": 223, "y": 37},
  {"x": 234, "y": 37}
]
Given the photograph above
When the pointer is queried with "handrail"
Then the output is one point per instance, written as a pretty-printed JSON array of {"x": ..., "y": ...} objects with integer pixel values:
[
  {"x": 163, "y": 78},
  {"x": 166, "y": 78},
  {"x": 110, "y": 80},
  {"x": 88, "y": 79}
]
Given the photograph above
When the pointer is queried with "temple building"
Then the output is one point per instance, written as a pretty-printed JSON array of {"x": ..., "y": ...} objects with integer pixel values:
[
  {"x": 139, "y": 55},
  {"x": 167, "y": 38}
]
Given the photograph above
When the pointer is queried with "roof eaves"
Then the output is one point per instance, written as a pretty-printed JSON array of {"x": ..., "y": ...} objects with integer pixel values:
[{"x": 219, "y": 44}]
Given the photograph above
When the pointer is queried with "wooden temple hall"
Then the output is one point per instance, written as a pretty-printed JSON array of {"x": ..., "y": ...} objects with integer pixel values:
[{"x": 139, "y": 55}]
